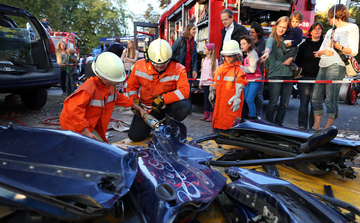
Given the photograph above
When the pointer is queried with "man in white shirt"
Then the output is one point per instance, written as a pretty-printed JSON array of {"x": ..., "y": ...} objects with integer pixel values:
[{"x": 232, "y": 30}]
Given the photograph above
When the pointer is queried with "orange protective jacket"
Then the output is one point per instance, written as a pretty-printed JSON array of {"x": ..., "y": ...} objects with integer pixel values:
[
  {"x": 145, "y": 83},
  {"x": 91, "y": 107},
  {"x": 224, "y": 82}
]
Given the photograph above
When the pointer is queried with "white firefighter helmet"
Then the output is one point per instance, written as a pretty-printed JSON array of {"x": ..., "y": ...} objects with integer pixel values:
[
  {"x": 230, "y": 48},
  {"x": 159, "y": 51},
  {"x": 109, "y": 66}
]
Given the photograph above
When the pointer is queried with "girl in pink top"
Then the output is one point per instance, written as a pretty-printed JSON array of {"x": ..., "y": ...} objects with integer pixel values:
[
  {"x": 208, "y": 68},
  {"x": 251, "y": 68}
]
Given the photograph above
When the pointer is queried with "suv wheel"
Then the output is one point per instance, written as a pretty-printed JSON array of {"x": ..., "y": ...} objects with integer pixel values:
[{"x": 35, "y": 98}]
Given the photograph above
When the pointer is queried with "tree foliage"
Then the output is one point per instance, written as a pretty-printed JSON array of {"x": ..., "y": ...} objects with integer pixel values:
[
  {"x": 90, "y": 18},
  {"x": 323, "y": 18},
  {"x": 164, "y": 3},
  {"x": 150, "y": 16}
]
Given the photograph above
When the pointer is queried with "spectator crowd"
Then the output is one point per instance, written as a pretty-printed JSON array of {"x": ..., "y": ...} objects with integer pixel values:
[{"x": 160, "y": 83}]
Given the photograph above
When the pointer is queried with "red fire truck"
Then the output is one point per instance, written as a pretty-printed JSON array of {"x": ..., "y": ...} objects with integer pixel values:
[
  {"x": 206, "y": 15},
  {"x": 71, "y": 39}
]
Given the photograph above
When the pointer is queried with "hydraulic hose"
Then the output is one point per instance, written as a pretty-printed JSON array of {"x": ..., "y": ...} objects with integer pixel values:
[
  {"x": 46, "y": 121},
  {"x": 11, "y": 118}
]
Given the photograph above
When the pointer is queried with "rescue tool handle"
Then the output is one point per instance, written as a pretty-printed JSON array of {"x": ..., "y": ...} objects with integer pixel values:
[{"x": 151, "y": 121}]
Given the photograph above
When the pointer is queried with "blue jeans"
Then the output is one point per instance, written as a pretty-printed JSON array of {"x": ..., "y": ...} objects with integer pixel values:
[
  {"x": 276, "y": 90},
  {"x": 332, "y": 72},
  {"x": 305, "y": 92},
  {"x": 63, "y": 81},
  {"x": 250, "y": 93},
  {"x": 259, "y": 99},
  {"x": 70, "y": 83}
]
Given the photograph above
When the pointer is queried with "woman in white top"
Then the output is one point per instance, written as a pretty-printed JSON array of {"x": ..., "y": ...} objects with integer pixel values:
[
  {"x": 129, "y": 56},
  {"x": 345, "y": 38}
]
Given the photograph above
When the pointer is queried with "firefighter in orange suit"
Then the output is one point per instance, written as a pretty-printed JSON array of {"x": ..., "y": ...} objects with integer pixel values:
[
  {"x": 160, "y": 86},
  {"x": 88, "y": 110},
  {"x": 227, "y": 88}
]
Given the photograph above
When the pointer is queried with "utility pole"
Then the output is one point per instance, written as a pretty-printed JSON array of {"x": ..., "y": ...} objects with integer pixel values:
[{"x": 348, "y": 4}]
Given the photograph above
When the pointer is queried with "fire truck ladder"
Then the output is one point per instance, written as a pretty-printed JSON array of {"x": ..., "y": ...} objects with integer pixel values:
[{"x": 235, "y": 7}]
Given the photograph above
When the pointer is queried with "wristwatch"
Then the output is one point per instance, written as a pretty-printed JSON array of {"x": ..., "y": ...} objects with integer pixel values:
[{"x": 342, "y": 48}]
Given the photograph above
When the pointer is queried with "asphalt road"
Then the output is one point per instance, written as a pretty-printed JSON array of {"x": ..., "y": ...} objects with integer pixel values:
[{"x": 13, "y": 111}]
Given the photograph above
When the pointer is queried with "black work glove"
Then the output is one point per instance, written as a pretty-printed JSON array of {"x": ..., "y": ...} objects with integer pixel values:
[
  {"x": 158, "y": 103},
  {"x": 135, "y": 111}
]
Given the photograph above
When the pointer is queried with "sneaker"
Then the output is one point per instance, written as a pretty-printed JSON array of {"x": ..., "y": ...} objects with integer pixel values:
[
  {"x": 302, "y": 128},
  {"x": 297, "y": 73},
  {"x": 314, "y": 130}
]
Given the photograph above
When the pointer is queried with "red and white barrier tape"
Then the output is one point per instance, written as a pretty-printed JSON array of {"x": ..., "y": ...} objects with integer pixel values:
[{"x": 295, "y": 81}]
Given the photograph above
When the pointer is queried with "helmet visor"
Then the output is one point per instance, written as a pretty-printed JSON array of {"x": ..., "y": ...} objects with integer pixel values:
[
  {"x": 160, "y": 66},
  {"x": 109, "y": 82}
]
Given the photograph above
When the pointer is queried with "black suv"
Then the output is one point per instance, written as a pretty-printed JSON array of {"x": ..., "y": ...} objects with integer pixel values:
[{"x": 28, "y": 64}]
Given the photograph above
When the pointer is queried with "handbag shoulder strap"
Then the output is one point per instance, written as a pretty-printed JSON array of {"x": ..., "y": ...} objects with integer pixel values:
[{"x": 343, "y": 56}]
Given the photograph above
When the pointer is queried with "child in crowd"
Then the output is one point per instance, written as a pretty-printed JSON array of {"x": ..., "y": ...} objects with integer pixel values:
[
  {"x": 208, "y": 67},
  {"x": 293, "y": 37},
  {"x": 89, "y": 109},
  {"x": 71, "y": 71},
  {"x": 229, "y": 82},
  {"x": 251, "y": 68}
]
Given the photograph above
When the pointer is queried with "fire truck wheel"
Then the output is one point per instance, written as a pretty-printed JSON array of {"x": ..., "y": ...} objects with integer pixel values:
[{"x": 352, "y": 96}]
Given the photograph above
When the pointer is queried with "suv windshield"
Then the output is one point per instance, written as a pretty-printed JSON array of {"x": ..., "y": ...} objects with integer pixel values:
[{"x": 15, "y": 45}]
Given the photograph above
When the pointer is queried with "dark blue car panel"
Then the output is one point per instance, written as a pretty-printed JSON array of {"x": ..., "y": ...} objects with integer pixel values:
[
  {"x": 171, "y": 163},
  {"x": 277, "y": 200},
  {"x": 261, "y": 126},
  {"x": 64, "y": 166},
  {"x": 29, "y": 80}
]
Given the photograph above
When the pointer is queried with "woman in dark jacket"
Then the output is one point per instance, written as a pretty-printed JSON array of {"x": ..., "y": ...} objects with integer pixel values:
[
  {"x": 184, "y": 50},
  {"x": 310, "y": 65}
]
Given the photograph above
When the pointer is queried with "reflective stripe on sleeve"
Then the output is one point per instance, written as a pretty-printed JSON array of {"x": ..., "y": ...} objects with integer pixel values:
[
  {"x": 99, "y": 103},
  {"x": 143, "y": 75},
  {"x": 218, "y": 78},
  {"x": 227, "y": 78},
  {"x": 179, "y": 94},
  {"x": 169, "y": 78},
  {"x": 132, "y": 92},
  {"x": 111, "y": 98}
]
